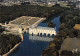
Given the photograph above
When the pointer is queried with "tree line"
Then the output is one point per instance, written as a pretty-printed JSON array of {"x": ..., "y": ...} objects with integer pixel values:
[
  {"x": 68, "y": 20},
  {"x": 8, "y": 13}
]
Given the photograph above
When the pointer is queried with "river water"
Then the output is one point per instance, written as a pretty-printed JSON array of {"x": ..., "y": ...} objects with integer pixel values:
[{"x": 31, "y": 47}]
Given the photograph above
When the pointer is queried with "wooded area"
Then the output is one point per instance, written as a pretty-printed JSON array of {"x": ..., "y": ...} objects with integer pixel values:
[
  {"x": 8, "y": 13},
  {"x": 68, "y": 20}
]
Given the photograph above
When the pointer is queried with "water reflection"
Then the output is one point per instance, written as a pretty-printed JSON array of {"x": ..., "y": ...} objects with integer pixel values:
[
  {"x": 40, "y": 38},
  {"x": 30, "y": 47},
  {"x": 34, "y": 45}
]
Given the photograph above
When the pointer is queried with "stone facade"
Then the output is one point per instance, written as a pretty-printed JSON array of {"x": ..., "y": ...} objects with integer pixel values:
[{"x": 43, "y": 30}]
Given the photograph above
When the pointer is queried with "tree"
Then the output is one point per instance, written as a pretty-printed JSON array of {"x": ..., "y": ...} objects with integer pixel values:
[
  {"x": 9, "y": 41},
  {"x": 2, "y": 29},
  {"x": 50, "y": 24}
]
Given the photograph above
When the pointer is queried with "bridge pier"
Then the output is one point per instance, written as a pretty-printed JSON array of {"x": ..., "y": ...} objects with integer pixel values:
[
  {"x": 42, "y": 33},
  {"x": 50, "y": 34}
]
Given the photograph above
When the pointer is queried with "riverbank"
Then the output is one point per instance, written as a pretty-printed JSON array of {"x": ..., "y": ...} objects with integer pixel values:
[
  {"x": 8, "y": 27},
  {"x": 68, "y": 20},
  {"x": 11, "y": 50}
]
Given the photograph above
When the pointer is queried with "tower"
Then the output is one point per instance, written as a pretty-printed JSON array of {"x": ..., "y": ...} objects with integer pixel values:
[
  {"x": 20, "y": 29},
  {"x": 5, "y": 23}
]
